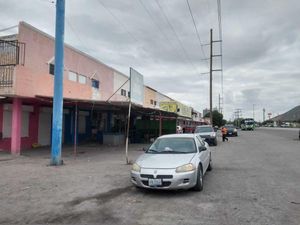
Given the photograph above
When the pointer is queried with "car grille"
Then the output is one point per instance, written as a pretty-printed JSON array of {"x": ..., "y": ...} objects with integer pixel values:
[
  {"x": 158, "y": 176},
  {"x": 164, "y": 183}
]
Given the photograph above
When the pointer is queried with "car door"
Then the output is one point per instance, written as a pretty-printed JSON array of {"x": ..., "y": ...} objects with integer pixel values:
[{"x": 204, "y": 155}]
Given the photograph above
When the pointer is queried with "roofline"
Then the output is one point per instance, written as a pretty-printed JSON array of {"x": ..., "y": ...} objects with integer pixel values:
[{"x": 67, "y": 45}]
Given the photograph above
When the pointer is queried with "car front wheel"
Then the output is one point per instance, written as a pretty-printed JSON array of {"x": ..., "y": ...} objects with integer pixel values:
[
  {"x": 210, "y": 167},
  {"x": 199, "y": 184}
]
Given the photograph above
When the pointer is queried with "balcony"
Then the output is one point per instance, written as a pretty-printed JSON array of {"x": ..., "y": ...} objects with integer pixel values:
[{"x": 12, "y": 53}]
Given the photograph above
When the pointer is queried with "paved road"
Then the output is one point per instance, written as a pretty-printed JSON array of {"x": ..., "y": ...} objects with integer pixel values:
[{"x": 255, "y": 180}]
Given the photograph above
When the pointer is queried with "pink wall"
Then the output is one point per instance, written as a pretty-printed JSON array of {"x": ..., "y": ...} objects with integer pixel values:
[
  {"x": 34, "y": 79},
  {"x": 26, "y": 142}
]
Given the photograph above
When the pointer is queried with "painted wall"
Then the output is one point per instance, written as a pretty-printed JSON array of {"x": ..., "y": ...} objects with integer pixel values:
[
  {"x": 149, "y": 94},
  {"x": 34, "y": 79},
  {"x": 119, "y": 80},
  {"x": 30, "y": 126},
  {"x": 161, "y": 98}
]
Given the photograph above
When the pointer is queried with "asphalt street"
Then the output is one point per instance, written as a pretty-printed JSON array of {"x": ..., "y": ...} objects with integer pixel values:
[{"x": 255, "y": 180}]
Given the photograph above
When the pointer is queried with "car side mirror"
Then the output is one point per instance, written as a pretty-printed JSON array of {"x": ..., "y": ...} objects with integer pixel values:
[
  {"x": 202, "y": 148},
  {"x": 145, "y": 149}
]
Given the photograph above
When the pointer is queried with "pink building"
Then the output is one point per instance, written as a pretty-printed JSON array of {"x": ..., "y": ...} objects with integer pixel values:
[
  {"x": 26, "y": 88},
  {"x": 26, "y": 92}
]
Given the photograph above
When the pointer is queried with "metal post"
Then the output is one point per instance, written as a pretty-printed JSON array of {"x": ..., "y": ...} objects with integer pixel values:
[
  {"x": 127, "y": 132},
  {"x": 160, "y": 124},
  {"x": 75, "y": 130},
  {"x": 210, "y": 77},
  {"x": 58, "y": 85}
]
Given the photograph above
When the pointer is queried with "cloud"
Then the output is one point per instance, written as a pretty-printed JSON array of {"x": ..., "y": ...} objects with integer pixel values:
[{"x": 261, "y": 46}]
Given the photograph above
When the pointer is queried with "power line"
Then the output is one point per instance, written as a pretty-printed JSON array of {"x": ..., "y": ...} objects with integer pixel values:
[
  {"x": 197, "y": 32},
  {"x": 221, "y": 46},
  {"x": 8, "y": 28},
  {"x": 159, "y": 28},
  {"x": 172, "y": 28},
  {"x": 116, "y": 18}
]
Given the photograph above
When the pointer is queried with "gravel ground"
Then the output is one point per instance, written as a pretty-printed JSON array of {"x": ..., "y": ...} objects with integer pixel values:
[{"x": 255, "y": 180}]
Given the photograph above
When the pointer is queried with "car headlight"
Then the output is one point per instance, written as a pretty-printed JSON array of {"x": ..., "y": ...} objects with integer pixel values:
[
  {"x": 185, "y": 168},
  {"x": 135, "y": 167}
]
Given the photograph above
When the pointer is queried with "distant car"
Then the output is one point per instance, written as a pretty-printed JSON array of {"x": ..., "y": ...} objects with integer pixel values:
[
  {"x": 176, "y": 161},
  {"x": 231, "y": 130},
  {"x": 208, "y": 133}
]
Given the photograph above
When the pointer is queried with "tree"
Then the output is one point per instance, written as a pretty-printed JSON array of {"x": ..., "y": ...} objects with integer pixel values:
[{"x": 217, "y": 118}]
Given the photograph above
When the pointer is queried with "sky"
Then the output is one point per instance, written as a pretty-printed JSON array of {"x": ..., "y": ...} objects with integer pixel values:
[{"x": 260, "y": 46}]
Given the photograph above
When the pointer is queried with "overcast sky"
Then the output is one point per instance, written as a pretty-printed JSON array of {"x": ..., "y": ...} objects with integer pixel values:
[{"x": 261, "y": 45}]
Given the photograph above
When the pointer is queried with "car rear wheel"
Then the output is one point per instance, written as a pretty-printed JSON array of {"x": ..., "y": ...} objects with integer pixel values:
[{"x": 199, "y": 184}]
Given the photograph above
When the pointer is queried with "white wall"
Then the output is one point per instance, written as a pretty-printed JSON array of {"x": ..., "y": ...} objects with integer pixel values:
[
  {"x": 7, "y": 124},
  {"x": 119, "y": 80},
  {"x": 44, "y": 133}
]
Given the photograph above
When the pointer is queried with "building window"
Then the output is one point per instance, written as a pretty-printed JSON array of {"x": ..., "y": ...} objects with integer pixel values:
[
  {"x": 95, "y": 83},
  {"x": 128, "y": 94},
  {"x": 123, "y": 92},
  {"x": 155, "y": 103},
  {"x": 81, "y": 79},
  {"x": 51, "y": 68},
  {"x": 72, "y": 76},
  {"x": 151, "y": 102}
]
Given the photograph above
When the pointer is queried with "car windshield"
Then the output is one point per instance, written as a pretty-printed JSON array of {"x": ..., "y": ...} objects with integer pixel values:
[
  {"x": 229, "y": 127},
  {"x": 173, "y": 146},
  {"x": 203, "y": 129}
]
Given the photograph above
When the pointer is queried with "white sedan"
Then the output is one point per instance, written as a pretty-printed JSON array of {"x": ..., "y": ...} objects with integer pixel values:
[{"x": 177, "y": 161}]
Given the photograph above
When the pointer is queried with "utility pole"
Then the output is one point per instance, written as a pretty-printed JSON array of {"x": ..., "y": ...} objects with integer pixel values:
[
  {"x": 211, "y": 70},
  {"x": 58, "y": 85},
  {"x": 210, "y": 77},
  {"x": 264, "y": 114},
  {"x": 220, "y": 103},
  {"x": 253, "y": 112}
]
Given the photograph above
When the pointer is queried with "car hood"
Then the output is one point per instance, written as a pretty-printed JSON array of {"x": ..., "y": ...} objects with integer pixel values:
[{"x": 164, "y": 161}]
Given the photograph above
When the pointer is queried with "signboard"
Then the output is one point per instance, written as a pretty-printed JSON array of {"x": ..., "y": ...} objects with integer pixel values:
[
  {"x": 176, "y": 107},
  {"x": 168, "y": 106},
  {"x": 136, "y": 87}
]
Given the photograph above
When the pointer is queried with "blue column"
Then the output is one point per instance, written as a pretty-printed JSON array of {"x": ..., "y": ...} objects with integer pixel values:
[{"x": 58, "y": 84}]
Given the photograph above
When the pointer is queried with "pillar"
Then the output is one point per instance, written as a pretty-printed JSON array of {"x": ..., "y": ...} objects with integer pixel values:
[{"x": 16, "y": 126}]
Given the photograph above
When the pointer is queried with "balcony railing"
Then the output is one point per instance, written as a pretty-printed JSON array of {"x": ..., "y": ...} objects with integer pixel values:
[{"x": 12, "y": 53}]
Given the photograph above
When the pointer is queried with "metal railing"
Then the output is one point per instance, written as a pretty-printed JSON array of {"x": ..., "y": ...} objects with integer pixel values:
[
  {"x": 6, "y": 76},
  {"x": 12, "y": 53}
]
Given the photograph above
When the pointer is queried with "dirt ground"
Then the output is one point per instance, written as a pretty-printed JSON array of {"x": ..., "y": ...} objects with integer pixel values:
[{"x": 31, "y": 192}]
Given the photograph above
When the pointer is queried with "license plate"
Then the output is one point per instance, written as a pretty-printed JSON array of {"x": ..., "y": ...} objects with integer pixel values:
[{"x": 154, "y": 182}]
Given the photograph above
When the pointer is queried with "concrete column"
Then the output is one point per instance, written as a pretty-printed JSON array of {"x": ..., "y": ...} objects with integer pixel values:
[{"x": 16, "y": 126}]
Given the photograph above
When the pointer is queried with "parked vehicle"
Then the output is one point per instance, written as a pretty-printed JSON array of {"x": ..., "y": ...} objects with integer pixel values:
[
  {"x": 208, "y": 133},
  {"x": 231, "y": 130},
  {"x": 176, "y": 161}
]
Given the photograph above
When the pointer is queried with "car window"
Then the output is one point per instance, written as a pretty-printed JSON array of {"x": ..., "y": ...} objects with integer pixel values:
[
  {"x": 200, "y": 141},
  {"x": 203, "y": 129},
  {"x": 173, "y": 145}
]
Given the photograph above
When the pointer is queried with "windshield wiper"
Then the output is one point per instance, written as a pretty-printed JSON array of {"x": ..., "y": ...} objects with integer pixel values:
[{"x": 152, "y": 150}]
